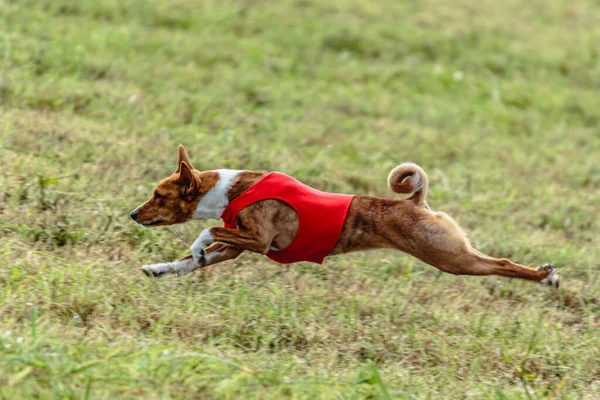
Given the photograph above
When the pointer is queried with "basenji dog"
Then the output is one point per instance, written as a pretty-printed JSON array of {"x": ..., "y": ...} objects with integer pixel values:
[{"x": 275, "y": 215}]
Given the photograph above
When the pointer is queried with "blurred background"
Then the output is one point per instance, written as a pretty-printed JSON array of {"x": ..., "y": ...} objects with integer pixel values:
[{"x": 498, "y": 102}]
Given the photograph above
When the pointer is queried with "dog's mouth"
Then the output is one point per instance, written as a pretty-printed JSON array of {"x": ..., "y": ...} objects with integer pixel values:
[{"x": 155, "y": 223}]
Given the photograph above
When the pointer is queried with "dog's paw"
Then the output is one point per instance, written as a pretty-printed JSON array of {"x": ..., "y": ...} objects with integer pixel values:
[
  {"x": 552, "y": 279},
  {"x": 156, "y": 270},
  {"x": 197, "y": 248},
  {"x": 199, "y": 255}
]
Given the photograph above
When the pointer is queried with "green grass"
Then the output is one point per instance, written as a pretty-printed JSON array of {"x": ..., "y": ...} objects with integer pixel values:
[{"x": 497, "y": 101}]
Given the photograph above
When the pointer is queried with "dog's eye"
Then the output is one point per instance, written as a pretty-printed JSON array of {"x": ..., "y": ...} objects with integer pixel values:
[{"x": 157, "y": 196}]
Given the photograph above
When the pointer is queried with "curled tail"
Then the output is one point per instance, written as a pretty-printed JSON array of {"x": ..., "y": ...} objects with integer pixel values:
[{"x": 409, "y": 178}]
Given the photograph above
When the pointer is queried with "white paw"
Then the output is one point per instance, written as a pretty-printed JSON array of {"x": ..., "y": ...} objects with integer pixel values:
[
  {"x": 156, "y": 270},
  {"x": 552, "y": 279},
  {"x": 199, "y": 255},
  {"x": 197, "y": 248}
]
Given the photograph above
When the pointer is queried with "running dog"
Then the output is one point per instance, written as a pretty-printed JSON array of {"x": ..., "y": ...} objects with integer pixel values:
[{"x": 276, "y": 215}]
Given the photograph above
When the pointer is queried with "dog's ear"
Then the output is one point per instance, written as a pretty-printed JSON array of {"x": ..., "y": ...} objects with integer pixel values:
[
  {"x": 186, "y": 178},
  {"x": 183, "y": 158}
]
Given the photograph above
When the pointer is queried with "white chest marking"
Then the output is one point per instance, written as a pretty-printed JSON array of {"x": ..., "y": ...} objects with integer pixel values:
[{"x": 212, "y": 205}]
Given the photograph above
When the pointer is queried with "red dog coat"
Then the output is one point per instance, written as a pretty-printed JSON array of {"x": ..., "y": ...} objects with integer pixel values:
[{"x": 321, "y": 216}]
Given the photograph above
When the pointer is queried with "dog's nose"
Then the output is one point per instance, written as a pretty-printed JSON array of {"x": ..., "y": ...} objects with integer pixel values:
[{"x": 133, "y": 215}]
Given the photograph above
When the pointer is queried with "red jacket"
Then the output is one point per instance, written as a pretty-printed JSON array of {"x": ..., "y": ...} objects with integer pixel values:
[{"x": 321, "y": 216}]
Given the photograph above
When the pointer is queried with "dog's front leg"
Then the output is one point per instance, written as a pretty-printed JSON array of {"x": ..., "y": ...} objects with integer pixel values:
[
  {"x": 257, "y": 240},
  {"x": 203, "y": 240},
  {"x": 214, "y": 254},
  {"x": 224, "y": 244},
  {"x": 180, "y": 267}
]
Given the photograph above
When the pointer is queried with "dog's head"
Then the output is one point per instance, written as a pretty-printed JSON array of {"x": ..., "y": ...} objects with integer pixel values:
[{"x": 176, "y": 197}]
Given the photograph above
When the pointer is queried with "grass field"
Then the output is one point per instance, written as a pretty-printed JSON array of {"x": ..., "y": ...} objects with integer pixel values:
[{"x": 498, "y": 101}]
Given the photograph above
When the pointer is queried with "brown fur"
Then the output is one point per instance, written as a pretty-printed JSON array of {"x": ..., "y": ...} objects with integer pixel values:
[
  {"x": 407, "y": 224},
  {"x": 175, "y": 198},
  {"x": 432, "y": 237},
  {"x": 224, "y": 252},
  {"x": 262, "y": 226}
]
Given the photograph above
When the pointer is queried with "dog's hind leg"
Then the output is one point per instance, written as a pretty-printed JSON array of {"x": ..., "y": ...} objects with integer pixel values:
[
  {"x": 214, "y": 254},
  {"x": 438, "y": 241},
  {"x": 409, "y": 225}
]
